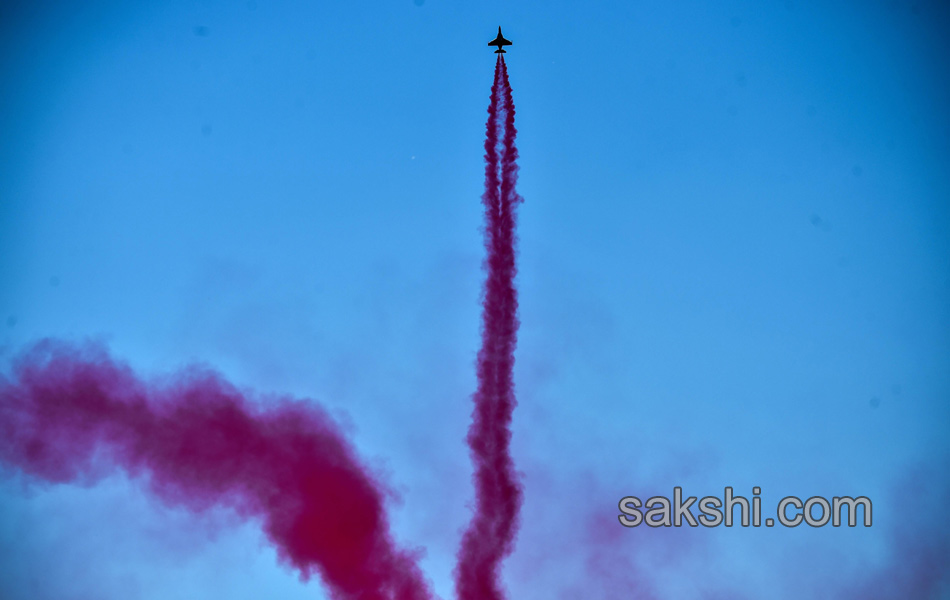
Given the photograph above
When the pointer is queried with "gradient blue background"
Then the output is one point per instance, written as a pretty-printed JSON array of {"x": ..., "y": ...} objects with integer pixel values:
[{"x": 733, "y": 270}]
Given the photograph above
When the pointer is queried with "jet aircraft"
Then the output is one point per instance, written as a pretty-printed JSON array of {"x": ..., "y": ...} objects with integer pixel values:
[{"x": 500, "y": 42}]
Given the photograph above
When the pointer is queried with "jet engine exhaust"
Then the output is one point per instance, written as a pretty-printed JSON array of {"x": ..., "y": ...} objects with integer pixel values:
[{"x": 491, "y": 534}]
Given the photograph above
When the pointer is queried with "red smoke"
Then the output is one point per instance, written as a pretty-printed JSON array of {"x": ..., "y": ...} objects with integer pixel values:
[
  {"x": 490, "y": 535},
  {"x": 68, "y": 412}
]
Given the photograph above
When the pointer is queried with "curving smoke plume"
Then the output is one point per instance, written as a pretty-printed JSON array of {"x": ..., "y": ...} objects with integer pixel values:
[
  {"x": 68, "y": 412},
  {"x": 491, "y": 533}
]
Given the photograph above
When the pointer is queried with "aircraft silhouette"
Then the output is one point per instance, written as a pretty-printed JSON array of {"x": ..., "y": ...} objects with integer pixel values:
[{"x": 499, "y": 41}]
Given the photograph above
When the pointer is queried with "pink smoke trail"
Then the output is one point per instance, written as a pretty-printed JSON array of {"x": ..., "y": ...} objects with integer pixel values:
[
  {"x": 69, "y": 412},
  {"x": 491, "y": 533}
]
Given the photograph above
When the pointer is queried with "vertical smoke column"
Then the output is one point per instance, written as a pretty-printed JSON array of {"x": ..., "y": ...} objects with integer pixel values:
[{"x": 490, "y": 535}]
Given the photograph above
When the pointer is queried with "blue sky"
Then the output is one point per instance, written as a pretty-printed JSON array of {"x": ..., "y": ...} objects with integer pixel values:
[{"x": 734, "y": 257}]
